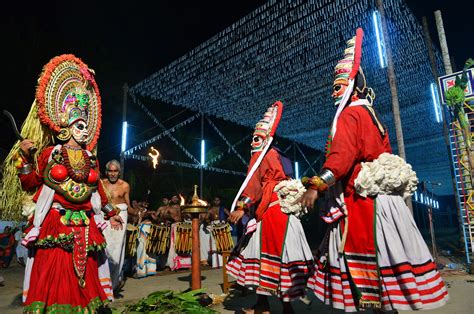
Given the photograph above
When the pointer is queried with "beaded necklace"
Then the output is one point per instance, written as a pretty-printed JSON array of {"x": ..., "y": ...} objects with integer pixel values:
[{"x": 79, "y": 169}]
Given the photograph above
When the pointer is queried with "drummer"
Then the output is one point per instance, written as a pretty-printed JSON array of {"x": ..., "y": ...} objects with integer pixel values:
[
  {"x": 173, "y": 210},
  {"x": 217, "y": 213},
  {"x": 173, "y": 214},
  {"x": 162, "y": 218},
  {"x": 161, "y": 211}
]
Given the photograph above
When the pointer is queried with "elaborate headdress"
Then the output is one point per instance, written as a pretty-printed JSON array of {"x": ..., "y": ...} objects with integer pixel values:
[
  {"x": 347, "y": 70},
  {"x": 265, "y": 130},
  {"x": 66, "y": 92},
  {"x": 266, "y": 127}
]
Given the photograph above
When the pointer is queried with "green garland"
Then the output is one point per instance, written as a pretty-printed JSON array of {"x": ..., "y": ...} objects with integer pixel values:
[
  {"x": 65, "y": 241},
  {"x": 167, "y": 301}
]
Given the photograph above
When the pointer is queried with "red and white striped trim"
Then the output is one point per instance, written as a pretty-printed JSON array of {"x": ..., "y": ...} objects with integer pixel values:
[{"x": 291, "y": 281}]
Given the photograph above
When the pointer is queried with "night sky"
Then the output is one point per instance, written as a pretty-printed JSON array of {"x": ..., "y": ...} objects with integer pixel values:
[{"x": 126, "y": 41}]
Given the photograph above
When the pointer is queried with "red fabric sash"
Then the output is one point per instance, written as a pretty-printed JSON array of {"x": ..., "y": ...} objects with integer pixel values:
[
  {"x": 360, "y": 251},
  {"x": 273, "y": 233}
]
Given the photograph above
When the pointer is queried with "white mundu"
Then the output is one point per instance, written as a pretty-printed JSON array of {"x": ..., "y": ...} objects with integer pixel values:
[{"x": 116, "y": 247}]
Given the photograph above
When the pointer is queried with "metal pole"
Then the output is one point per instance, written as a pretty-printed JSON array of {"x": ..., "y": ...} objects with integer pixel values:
[
  {"x": 393, "y": 82},
  {"x": 124, "y": 118},
  {"x": 201, "y": 169},
  {"x": 430, "y": 217},
  {"x": 393, "y": 90},
  {"x": 442, "y": 42}
]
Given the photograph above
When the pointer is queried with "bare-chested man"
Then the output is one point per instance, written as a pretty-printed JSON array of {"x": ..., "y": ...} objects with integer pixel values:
[
  {"x": 173, "y": 214},
  {"x": 173, "y": 210},
  {"x": 161, "y": 211},
  {"x": 217, "y": 211},
  {"x": 119, "y": 192}
]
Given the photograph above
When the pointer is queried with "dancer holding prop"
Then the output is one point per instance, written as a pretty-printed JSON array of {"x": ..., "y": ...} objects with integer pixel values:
[{"x": 66, "y": 269}]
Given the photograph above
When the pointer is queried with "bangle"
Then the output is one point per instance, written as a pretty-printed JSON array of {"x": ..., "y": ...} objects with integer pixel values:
[
  {"x": 25, "y": 169},
  {"x": 109, "y": 210},
  {"x": 328, "y": 177},
  {"x": 244, "y": 203}
]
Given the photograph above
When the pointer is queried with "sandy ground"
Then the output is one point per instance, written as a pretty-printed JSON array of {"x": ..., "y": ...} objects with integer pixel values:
[{"x": 460, "y": 286}]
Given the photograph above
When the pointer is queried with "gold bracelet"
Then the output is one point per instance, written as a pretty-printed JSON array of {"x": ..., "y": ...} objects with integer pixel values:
[{"x": 315, "y": 183}]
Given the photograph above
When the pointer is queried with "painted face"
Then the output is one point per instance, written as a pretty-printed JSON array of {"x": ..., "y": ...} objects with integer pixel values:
[
  {"x": 257, "y": 142},
  {"x": 79, "y": 132},
  {"x": 259, "y": 136},
  {"x": 113, "y": 173},
  {"x": 338, "y": 92}
]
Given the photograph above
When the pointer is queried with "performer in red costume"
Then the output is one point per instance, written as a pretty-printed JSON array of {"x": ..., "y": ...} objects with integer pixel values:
[
  {"x": 66, "y": 270},
  {"x": 373, "y": 255},
  {"x": 274, "y": 257}
]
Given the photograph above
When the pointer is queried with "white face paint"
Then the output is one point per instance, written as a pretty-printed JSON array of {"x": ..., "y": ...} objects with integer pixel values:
[{"x": 79, "y": 132}]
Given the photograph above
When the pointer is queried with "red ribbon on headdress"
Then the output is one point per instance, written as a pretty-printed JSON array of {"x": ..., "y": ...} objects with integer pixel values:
[
  {"x": 357, "y": 53},
  {"x": 279, "y": 106}
]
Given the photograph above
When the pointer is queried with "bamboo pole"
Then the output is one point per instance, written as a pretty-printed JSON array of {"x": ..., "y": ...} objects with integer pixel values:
[
  {"x": 429, "y": 46},
  {"x": 442, "y": 42},
  {"x": 393, "y": 82},
  {"x": 393, "y": 89}
]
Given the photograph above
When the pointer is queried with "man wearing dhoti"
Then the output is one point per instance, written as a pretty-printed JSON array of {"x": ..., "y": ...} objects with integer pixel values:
[{"x": 119, "y": 193}]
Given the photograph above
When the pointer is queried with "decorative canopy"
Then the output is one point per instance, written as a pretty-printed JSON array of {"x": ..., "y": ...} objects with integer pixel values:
[{"x": 287, "y": 50}]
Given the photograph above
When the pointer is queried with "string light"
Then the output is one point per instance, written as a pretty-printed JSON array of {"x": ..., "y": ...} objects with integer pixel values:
[
  {"x": 203, "y": 152},
  {"x": 124, "y": 136},
  {"x": 436, "y": 107},
  {"x": 380, "y": 39}
]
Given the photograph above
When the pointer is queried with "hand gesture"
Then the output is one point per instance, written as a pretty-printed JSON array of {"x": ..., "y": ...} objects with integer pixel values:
[{"x": 116, "y": 222}]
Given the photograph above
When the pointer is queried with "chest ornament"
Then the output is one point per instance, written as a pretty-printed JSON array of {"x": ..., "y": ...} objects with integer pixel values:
[{"x": 70, "y": 173}]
